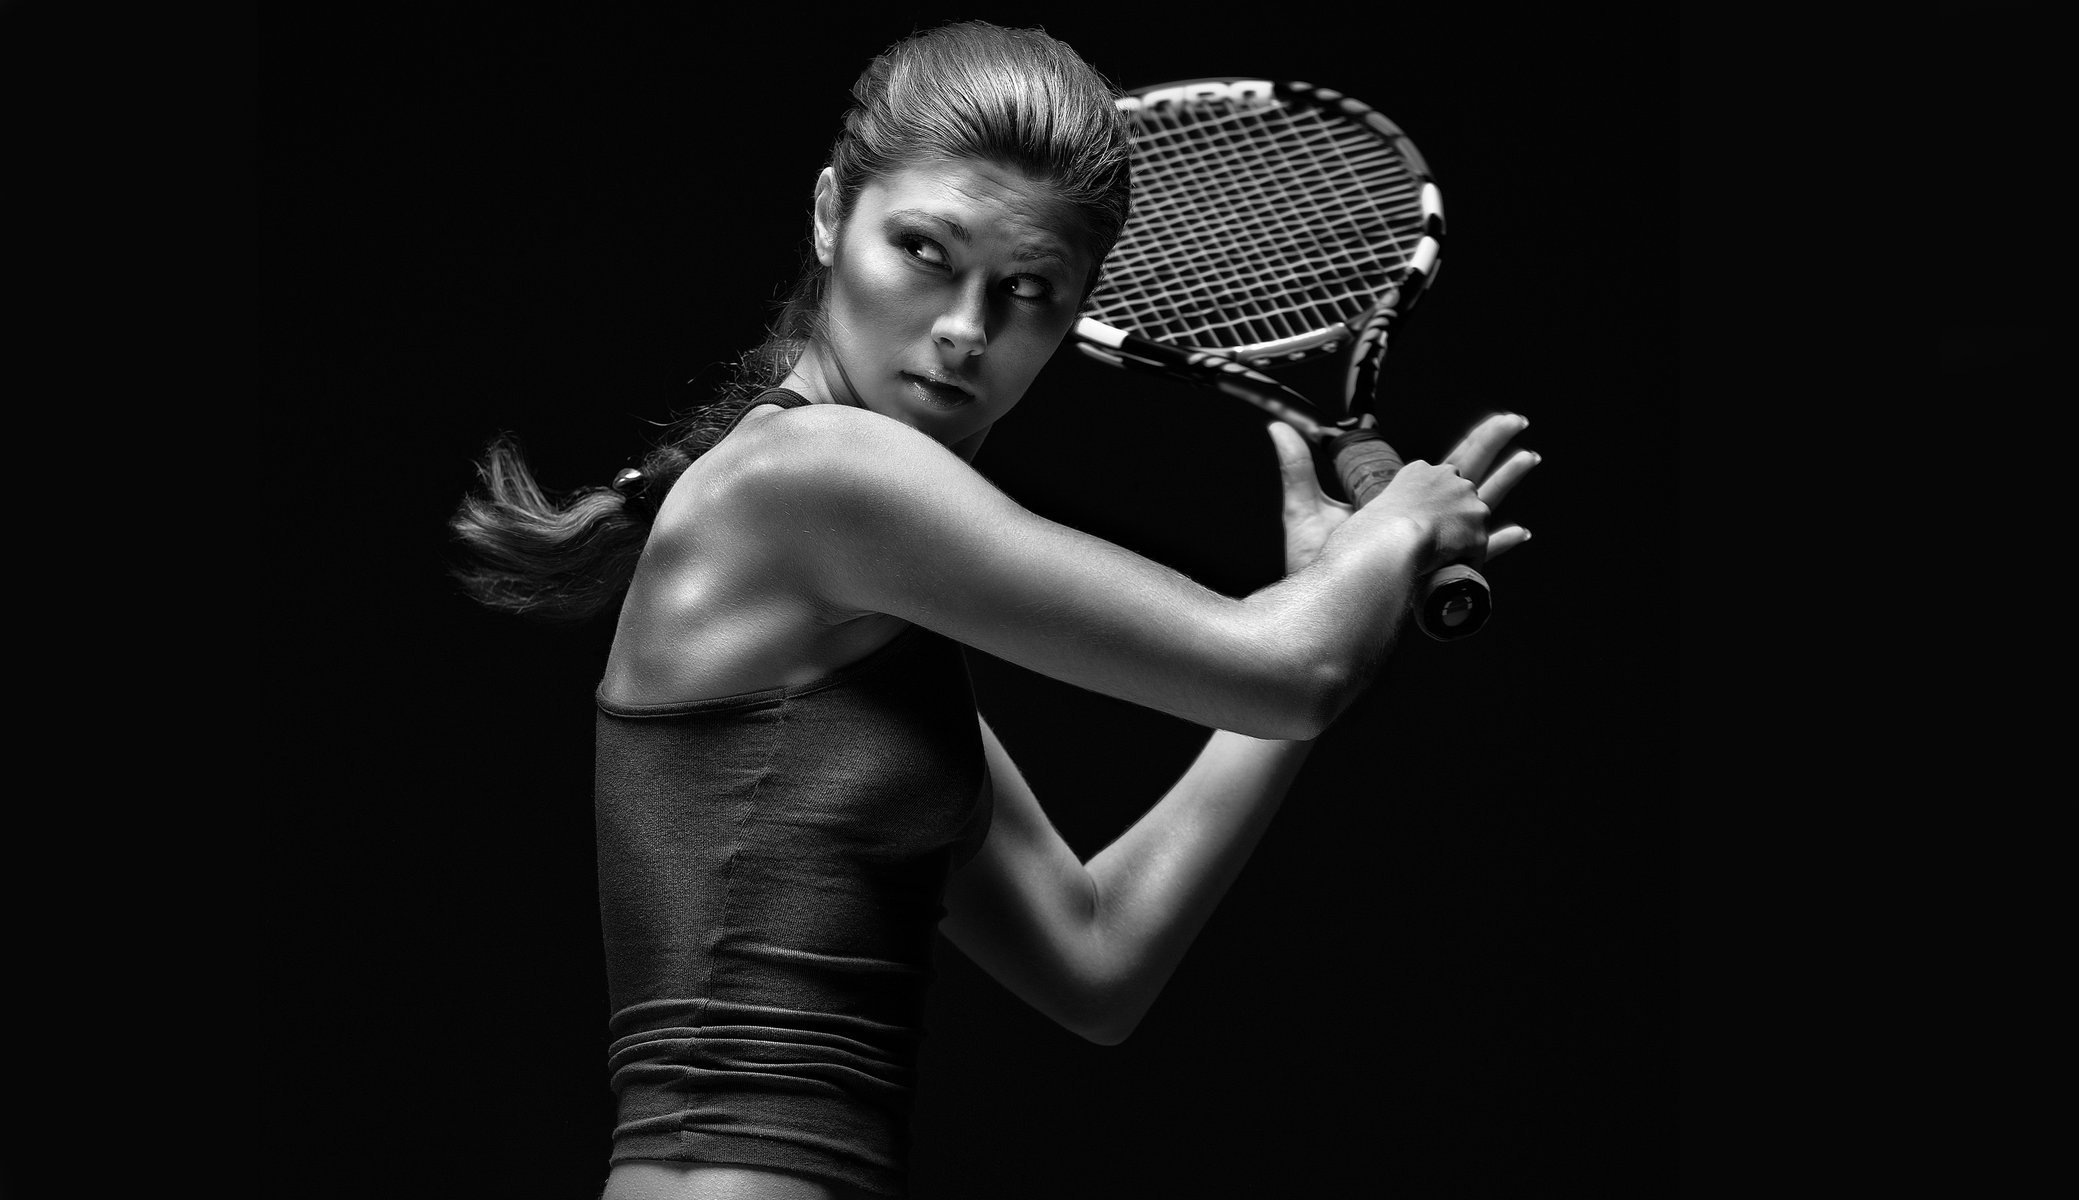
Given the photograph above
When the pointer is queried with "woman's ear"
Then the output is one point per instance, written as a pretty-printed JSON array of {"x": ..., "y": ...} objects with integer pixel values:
[{"x": 826, "y": 217}]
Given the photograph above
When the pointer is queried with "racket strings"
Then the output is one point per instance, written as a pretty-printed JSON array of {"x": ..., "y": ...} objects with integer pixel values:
[
  {"x": 1281, "y": 226},
  {"x": 1258, "y": 224},
  {"x": 1308, "y": 172},
  {"x": 1279, "y": 197}
]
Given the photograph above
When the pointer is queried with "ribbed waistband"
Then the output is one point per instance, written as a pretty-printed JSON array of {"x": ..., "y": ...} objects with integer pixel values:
[{"x": 714, "y": 1081}]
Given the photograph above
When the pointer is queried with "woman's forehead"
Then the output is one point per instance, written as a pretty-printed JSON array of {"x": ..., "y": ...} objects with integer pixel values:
[{"x": 985, "y": 201}]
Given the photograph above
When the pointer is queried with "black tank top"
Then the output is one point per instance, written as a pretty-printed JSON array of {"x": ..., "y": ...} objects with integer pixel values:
[{"x": 772, "y": 870}]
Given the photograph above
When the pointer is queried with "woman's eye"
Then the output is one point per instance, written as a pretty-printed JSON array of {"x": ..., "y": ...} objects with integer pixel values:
[
  {"x": 924, "y": 249},
  {"x": 1029, "y": 287}
]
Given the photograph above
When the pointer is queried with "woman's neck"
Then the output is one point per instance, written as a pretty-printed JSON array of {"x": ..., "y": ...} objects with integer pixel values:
[{"x": 818, "y": 376}]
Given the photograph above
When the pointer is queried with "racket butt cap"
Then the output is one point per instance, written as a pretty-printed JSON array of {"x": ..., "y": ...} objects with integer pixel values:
[{"x": 1454, "y": 603}]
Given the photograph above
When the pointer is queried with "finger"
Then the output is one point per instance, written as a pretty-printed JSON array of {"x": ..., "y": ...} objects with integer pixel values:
[
  {"x": 1473, "y": 454},
  {"x": 1503, "y": 540},
  {"x": 1507, "y": 476}
]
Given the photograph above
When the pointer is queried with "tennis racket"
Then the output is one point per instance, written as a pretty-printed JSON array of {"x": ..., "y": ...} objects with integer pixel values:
[{"x": 1275, "y": 223}]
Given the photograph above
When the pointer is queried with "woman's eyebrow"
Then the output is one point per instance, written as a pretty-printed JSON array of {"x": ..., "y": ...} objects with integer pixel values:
[
  {"x": 959, "y": 232},
  {"x": 1036, "y": 251},
  {"x": 1029, "y": 251}
]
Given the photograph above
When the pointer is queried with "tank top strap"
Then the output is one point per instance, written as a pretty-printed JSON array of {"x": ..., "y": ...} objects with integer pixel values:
[{"x": 784, "y": 397}]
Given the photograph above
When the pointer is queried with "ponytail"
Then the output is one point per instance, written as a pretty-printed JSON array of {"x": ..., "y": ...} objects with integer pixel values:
[
  {"x": 568, "y": 559},
  {"x": 537, "y": 556}
]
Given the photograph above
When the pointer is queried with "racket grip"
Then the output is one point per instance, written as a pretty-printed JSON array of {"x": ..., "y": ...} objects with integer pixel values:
[{"x": 1454, "y": 602}]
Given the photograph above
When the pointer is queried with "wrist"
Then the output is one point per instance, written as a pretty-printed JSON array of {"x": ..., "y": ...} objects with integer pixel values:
[{"x": 1401, "y": 542}]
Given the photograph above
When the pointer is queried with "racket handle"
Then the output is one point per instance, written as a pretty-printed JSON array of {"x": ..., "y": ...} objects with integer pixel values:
[{"x": 1454, "y": 602}]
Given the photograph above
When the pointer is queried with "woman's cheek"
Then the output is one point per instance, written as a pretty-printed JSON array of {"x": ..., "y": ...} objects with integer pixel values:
[
  {"x": 867, "y": 300},
  {"x": 890, "y": 297}
]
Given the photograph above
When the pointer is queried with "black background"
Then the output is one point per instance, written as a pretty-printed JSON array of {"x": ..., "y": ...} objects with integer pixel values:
[{"x": 1450, "y": 967}]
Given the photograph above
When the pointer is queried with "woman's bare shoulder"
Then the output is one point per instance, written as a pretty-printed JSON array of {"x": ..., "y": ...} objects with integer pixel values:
[
  {"x": 822, "y": 433},
  {"x": 732, "y": 593},
  {"x": 787, "y": 462}
]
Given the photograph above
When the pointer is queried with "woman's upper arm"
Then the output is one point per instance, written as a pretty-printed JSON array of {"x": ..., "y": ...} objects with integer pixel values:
[{"x": 892, "y": 522}]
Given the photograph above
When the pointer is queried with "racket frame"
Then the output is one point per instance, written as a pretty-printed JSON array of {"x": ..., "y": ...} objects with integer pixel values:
[
  {"x": 1422, "y": 264},
  {"x": 1454, "y": 602}
]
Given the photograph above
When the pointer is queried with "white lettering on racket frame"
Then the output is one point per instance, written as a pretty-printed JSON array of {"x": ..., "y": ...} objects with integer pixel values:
[{"x": 1247, "y": 92}]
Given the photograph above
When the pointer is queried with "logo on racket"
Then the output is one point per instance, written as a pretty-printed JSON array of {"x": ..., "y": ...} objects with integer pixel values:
[{"x": 1240, "y": 92}]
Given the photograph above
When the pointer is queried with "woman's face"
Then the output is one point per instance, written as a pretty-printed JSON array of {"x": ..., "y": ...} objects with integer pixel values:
[{"x": 951, "y": 284}]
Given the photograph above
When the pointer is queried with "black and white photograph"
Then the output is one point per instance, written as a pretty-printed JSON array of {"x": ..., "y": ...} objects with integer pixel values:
[{"x": 996, "y": 602}]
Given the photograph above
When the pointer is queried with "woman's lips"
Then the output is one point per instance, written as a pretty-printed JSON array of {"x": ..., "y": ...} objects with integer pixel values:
[{"x": 937, "y": 393}]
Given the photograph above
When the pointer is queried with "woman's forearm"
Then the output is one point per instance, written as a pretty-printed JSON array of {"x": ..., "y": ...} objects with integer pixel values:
[{"x": 1160, "y": 881}]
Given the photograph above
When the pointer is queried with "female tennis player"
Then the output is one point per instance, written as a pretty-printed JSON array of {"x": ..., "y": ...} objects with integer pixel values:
[{"x": 794, "y": 789}]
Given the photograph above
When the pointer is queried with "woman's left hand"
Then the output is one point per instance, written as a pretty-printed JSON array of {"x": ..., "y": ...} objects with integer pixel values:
[{"x": 1310, "y": 515}]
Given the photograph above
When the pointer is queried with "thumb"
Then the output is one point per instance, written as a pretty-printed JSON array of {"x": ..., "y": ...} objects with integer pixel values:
[{"x": 1295, "y": 460}]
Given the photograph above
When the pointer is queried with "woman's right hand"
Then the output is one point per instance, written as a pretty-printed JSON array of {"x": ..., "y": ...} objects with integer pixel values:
[{"x": 1451, "y": 503}]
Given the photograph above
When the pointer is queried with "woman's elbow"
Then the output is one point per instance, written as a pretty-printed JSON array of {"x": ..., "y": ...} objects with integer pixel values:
[
  {"x": 1105, "y": 1024},
  {"x": 1100, "y": 1009},
  {"x": 1107, "y": 1035},
  {"x": 1302, "y": 702}
]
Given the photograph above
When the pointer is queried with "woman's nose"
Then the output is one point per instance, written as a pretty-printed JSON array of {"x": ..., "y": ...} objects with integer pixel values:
[{"x": 962, "y": 329}]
